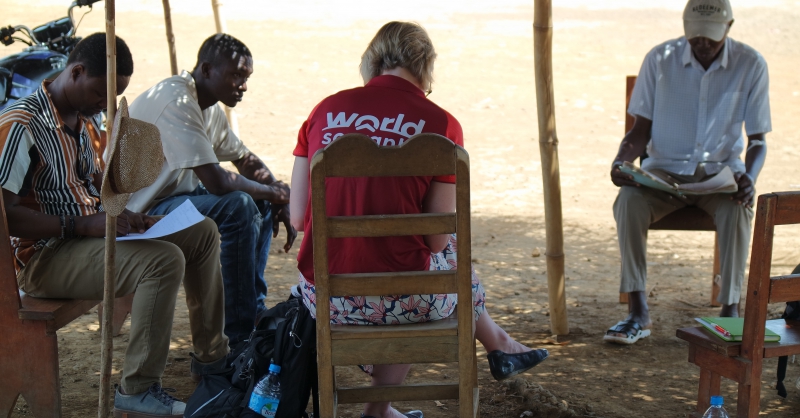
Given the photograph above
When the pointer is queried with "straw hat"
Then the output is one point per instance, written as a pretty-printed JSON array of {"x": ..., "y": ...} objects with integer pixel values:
[{"x": 135, "y": 160}]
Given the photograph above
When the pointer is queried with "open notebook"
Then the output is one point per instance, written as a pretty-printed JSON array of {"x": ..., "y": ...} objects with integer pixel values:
[
  {"x": 722, "y": 182},
  {"x": 730, "y": 329}
]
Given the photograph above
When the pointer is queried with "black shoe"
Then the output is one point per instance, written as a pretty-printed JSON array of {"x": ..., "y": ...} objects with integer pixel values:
[
  {"x": 504, "y": 365},
  {"x": 410, "y": 414}
]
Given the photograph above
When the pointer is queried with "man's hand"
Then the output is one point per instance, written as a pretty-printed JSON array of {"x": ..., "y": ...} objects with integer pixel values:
[
  {"x": 139, "y": 222},
  {"x": 95, "y": 225},
  {"x": 619, "y": 178},
  {"x": 280, "y": 193},
  {"x": 744, "y": 196},
  {"x": 280, "y": 214}
]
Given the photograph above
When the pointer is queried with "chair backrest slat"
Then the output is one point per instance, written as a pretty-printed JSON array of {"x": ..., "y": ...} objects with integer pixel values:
[
  {"x": 362, "y": 158},
  {"x": 391, "y": 225},
  {"x": 787, "y": 209},
  {"x": 393, "y": 283},
  {"x": 784, "y": 288}
]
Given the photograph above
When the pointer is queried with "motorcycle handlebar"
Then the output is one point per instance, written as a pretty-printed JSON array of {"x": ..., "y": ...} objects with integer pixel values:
[{"x": 82, "y": 3}]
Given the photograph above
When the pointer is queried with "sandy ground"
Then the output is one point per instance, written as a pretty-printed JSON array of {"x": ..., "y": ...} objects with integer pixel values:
[{"x": 484, "y": 75}]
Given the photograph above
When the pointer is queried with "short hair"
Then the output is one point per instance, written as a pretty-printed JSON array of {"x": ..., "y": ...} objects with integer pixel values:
[
  {"x": 91, "y": 52},
  {"x": 220, "y": 49},
  {"x": 400, "y": 44}
]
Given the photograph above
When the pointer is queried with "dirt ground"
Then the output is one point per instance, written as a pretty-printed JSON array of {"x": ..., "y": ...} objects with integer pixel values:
[{"x": 308, "y": 49}]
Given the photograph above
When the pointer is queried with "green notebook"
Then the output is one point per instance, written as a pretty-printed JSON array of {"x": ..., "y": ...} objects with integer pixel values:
[{"x": 730, "y": 329}]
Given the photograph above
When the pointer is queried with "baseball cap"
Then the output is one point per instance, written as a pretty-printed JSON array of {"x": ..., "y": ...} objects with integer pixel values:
[{"x": 707, "y": 18}]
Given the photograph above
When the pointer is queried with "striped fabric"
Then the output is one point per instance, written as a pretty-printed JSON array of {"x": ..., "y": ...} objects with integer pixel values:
[{"x": 47, "y": 167}]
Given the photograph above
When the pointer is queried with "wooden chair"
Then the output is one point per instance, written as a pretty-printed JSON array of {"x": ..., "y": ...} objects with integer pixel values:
[
  {"x": 29, "y": 346},
  {"x": 742, "y": 361},
  {"x": 690, "y": 218},
  {"x": 449, "y": 340}
]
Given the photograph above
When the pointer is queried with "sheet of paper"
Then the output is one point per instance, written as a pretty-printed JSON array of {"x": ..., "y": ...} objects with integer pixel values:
[{"x": 179, "y": 219}]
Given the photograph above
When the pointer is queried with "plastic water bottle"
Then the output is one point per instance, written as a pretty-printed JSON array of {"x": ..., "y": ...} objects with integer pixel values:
[
  {"x": 716, "y": 410},
  {"x": 267, "y": 393}
]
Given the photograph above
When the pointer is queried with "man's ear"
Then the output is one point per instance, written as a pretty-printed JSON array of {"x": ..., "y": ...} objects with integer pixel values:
[
  {"x": 205, "y": 70},
  {"x": 76, "y": 71}
]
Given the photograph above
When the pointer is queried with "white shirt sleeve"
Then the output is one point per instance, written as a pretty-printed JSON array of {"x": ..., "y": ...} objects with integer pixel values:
[
  {"x": 183, "y": 135},
  {"x": 757, "y": 119},
  {"x": 14, "y": 159},
  {"x": 227, "y": 146},
  {"x": 643, "y": 97}
]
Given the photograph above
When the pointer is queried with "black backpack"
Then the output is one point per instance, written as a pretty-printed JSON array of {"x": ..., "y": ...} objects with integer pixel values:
[
  {"x": 285, "y": 335},
  {"x": 792, "y": 313}
]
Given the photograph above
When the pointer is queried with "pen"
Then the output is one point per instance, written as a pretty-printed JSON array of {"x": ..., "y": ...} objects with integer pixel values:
[{"x": 722, "y": 331}]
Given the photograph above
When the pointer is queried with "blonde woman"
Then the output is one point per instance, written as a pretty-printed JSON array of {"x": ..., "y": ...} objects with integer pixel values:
[{"x": 397, "y": 69}]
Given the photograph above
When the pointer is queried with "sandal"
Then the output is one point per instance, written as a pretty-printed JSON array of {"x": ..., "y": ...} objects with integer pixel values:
[{"x": 632, "y": 330}]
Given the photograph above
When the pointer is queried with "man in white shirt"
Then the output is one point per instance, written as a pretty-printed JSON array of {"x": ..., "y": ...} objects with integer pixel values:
[
  {"x": 247, "y": 207},
  {"x": 691, "y": 99}
]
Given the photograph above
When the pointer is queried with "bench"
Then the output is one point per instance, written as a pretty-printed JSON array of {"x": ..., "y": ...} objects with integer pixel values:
[
  {"x": 742, "y": 361},
  {"x": 29, "y": 346}
]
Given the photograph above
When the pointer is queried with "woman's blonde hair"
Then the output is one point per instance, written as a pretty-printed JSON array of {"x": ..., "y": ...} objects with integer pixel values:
[{"x": 400, "y": 44}]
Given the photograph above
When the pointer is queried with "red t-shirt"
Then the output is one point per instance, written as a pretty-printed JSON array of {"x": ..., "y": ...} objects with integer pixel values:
[{"x": 389, "y": 109}]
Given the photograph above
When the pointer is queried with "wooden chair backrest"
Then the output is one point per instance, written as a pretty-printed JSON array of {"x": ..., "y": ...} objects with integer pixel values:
[
  {"x": 356, "y": 155},
  {"x": 10, "y": 302},
  {"x": 773, "y": 209}
]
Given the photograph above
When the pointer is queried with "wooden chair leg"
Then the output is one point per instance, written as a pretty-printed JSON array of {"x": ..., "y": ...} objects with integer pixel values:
[
  {"x": 709, "y": 386},
  {"x": 748, "y": 402},
  {"x": 122, "y": 307},
  {"x": 466, "y": 379},
  {"x": 476, "y": 406},
  {"x": 327, "y": 386},
  {"x": 715, "y": 289},
  {"x": 29, "y": 367}
]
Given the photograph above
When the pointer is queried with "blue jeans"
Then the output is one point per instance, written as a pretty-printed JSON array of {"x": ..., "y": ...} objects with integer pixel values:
[{"x": 245, "y": 228}]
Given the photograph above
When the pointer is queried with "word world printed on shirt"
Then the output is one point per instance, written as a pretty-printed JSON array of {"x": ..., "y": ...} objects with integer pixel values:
[{"x": 398, "y": 131}]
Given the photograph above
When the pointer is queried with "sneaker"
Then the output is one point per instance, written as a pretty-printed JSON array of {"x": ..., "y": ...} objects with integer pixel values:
[
  {"x": 198, "y": 369},
  {"x": 152, "y": 403}
]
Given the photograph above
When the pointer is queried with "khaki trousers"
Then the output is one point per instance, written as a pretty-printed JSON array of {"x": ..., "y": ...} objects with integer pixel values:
[
  {"x": 74, "y": 268},
  {"x": 638, "y": 207}
]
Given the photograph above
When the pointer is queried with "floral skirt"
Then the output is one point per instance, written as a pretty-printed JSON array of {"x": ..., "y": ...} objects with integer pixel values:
[{"x": 398, "y": 309}]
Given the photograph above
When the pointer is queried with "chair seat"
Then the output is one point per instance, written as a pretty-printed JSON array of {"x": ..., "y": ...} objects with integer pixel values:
[
  {"x": 690, "y": 218},
  {"x": 788, "y": 330},
  {"x": 56, "y": 312}
]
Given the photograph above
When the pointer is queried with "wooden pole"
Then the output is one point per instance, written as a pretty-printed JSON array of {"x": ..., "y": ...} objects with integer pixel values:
[
  {"x": 548, "y": 151},
  {"x": 173, "y": 54},
  {"x": 109, "y": 281},
  {"x": 222, "y": 27}
]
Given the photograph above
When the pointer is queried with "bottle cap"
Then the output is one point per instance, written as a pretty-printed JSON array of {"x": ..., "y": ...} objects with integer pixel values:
[
  {"x": 277, "y": 369},
  {"x": 715, "y": 400}
]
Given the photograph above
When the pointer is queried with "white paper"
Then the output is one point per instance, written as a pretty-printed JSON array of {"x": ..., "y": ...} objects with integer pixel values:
[{"x": 179, "y": 219}]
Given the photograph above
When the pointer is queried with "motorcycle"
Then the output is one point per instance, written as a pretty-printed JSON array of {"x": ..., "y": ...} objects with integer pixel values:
[{"x": 44, "y": 58}]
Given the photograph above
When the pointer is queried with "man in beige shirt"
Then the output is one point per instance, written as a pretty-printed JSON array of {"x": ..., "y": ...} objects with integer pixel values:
[{"x": 247, "y": 206}]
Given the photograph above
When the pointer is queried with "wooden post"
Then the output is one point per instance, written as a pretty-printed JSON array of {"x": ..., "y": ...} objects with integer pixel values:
[
  {"x": 173, "y": 54},
  {"x": 548, "y": 150},
  {"x": 109, "y": 282},
  {"x": 219, "y": 21}
]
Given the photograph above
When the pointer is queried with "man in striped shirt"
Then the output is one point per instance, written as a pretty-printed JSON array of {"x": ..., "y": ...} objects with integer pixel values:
[{"x": 50, "y": 175}]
